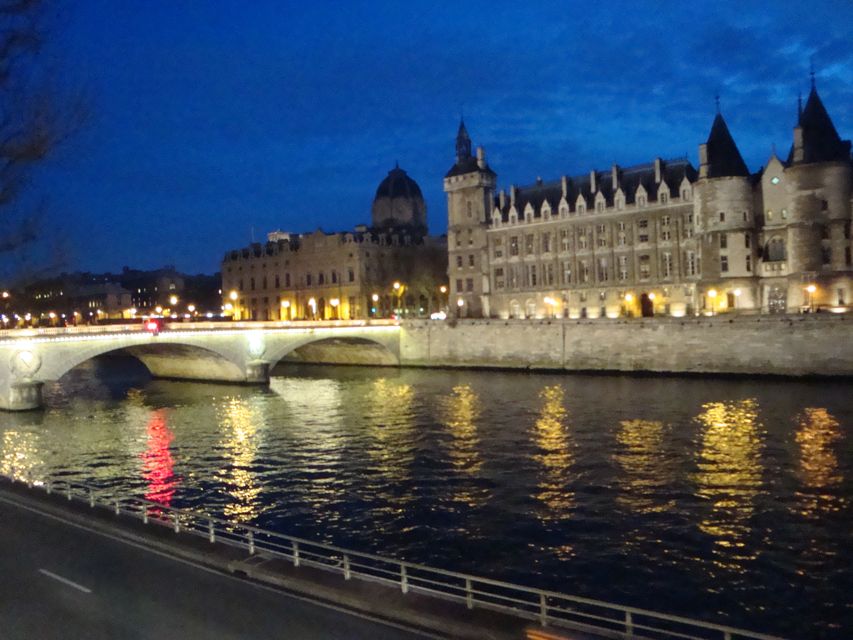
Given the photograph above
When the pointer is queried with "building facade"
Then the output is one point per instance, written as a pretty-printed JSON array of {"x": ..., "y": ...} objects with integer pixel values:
[
  {"x": 659, "y": 238},
  {"x": 343, "y": 275}
]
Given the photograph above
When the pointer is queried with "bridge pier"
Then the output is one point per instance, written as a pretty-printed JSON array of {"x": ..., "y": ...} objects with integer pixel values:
[
  {"x": 258, "y": 372},
  {"x": 21, "y": 396}
]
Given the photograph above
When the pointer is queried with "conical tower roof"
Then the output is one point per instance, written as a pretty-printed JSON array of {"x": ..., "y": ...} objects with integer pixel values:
[
  {"x": 724, "y": 159},
  {"x": 821, "y": 142}
]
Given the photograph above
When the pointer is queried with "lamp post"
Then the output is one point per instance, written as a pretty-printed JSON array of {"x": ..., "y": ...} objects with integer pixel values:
[
  {"x": 811, "y": 290},
  {"x": 442, "y": 302},
  {"x": 285, "y": 309},
  {"x": 374, "y": 308},
  {"x": 398, "y": 291},
  {"x": 334, "y": 302},
  {"x": 712, "y": 295},
  {"x": 737, "y": 293}
]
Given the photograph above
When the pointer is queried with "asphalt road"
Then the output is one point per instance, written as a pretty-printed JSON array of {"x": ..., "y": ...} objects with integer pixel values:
[{"x": 61, "y": 581}]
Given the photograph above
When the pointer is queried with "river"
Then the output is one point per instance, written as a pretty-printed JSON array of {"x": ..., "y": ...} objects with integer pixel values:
[{"x": 722, "y": 499}]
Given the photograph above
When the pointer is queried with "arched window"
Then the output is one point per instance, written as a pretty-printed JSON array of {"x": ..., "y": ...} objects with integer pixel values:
[{"x": 774, "y": 250}]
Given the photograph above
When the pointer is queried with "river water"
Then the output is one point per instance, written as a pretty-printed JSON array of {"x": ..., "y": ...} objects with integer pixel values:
[{"x": 722, "y": 499}]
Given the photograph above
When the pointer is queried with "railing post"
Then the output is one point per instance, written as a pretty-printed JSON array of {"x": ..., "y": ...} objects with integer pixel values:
[
  {"x": 469, "y": 594},
  {"x": 117, "y": 510},
  {"x": 404, "y": 579},
  {"x": 629, "y": 625},
  {"x": 346, "y": 567},
  {"x": 210, "y": 532},
  {"x": 145, "y": 514},
  {"x": 727, "y": 635},
  {"x": 91, "y": 497},
  {"x": 48, "y": 487},
  {"x": 68, "y": 490},
  {"x": 175, "y": 521},
  {"x": 295, "y": 553},
  {"x": 543, "y": 610},
  {"x": 251, "y": 538}
]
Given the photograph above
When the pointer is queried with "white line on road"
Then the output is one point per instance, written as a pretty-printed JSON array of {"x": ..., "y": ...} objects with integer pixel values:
[{"x": 70, "y": 583}]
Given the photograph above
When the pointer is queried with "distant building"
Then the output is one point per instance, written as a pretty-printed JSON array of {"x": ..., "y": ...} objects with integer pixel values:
[
  {"x": 659, "y": 238},
  {"x": 343, "y": 275}
]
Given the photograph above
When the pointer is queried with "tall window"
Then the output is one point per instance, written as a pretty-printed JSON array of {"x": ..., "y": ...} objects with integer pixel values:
[
  {"x": 546, "y": 243},
  {"x": 724, "y": 264},
  {"x": 567, "y": 272},
  {"x": 645, "y": 266},
  {"x": 691, "y": 263},
  {"x": 667, "y": 265},
  {"x": 623, "y": 267},
  {"x": 774, "y": 251},
  {"x": 513, "y": 246},
  {"x": 603, "y": 272},
  {"x": 724, "y": 241},
  {"x": 564, "y": 239}
]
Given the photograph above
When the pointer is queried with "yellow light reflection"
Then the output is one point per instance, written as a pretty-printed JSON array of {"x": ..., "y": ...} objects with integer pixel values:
[
  {"x": 556, "y": 455},
  {"x": 20, "y": 458},
  {"x": 641, "y": 458},
  {"x": 730, "y": 477},
  {"x": 389, "y": 426},
  {"x": 459, "y": 412},
  {"x": 817, "y": 430},
  {"x": 240, "y": 443}
]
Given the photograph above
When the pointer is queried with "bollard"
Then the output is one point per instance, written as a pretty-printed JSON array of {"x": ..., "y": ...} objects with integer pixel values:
[
  {"x": 175, "y": 520},
  {"x": 48, "y": 487},
  {"x": 145, "y": 514},
  {"x": 251, "y": 538},
  {"x": 404, "y": 579},
  {"x": 543, "y": 610},
  {"x": 347, "y": 575},
  {"x": 117, "y": 510},
  {"x": 68, "y": 491},
  {"x": 91, "y": 497},
  {"x": 210, "y": 531},
  {"x": 629, "y": 625},
  {"x": 295, "y": 553},
  {"x": 469, "y": 594}
]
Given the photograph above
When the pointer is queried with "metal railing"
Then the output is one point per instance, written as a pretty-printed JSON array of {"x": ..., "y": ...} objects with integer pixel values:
[{"x": 548, "y": 608}]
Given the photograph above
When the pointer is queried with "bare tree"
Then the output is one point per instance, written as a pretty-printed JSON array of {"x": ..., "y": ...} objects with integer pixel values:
[{"x": 35, "y": 118}]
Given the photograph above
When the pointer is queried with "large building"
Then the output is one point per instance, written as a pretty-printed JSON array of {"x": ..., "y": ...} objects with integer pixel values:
[
  {"x": 659, "y": 238},
  {"x": 343, "y": 275}
]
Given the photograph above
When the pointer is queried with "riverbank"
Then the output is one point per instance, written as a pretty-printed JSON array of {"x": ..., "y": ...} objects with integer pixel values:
[{"x": 800, "y": 345}]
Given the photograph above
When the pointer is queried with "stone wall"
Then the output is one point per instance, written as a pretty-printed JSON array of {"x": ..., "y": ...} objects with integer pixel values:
[{"x": 795, "y": 345}]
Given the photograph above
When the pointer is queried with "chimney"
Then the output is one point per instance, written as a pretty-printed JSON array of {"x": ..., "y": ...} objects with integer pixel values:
[
  {"x": 614, "y": 175},
  {"x": 502, "y": 199},
  {"x": 798, "y": 145},
  {"x": 703, "y": 160},
  {"x": 592, "y": 187},
  {"x": 481, "y": 157},
  {"x": 657, "y": 170},
  {"x": 564, "y": 185},
  {"x": 512, "y": 195}
]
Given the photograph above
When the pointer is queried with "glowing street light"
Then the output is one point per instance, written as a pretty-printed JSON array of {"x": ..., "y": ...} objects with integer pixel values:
[
  {"x": 811, "y": 290},
  {"x": 651, "y": 296},
  {"x": 173, "y": 300},
  {"x": 443, "y": 289},
  {"x": 375, "y": 297},
  {"x": 233, "y": 295},
  {"x": 460, "y": 303},
  {"x": 397, "y": 286},
  {"x": 191, "y": 308}
]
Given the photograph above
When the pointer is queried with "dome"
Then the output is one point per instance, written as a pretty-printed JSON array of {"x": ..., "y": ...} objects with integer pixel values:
[{"x": 398, "y": 201}]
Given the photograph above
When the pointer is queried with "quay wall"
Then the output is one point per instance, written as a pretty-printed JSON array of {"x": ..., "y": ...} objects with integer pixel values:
[{"x": 789, "y": 345}]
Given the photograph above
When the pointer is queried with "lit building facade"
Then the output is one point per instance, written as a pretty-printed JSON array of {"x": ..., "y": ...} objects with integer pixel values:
[
  {"x": 662, "y": 238},
  {"x": 343, "y": 275}
]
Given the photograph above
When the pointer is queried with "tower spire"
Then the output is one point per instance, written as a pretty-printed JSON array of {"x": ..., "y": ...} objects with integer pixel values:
[
  {"x": 717, "y": 102},
  {"x": 463, "y": 143},
  {"x": 811, "y": 71}
]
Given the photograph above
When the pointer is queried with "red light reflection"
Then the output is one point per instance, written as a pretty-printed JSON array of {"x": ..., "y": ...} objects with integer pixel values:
[{"x": 157, "y": 463}]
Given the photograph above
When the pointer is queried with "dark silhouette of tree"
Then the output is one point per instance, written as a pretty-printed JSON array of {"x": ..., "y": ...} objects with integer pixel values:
[{"x": 36, "y": 116}]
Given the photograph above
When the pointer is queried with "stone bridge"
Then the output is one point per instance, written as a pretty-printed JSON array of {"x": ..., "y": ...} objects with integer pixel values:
[{"x": 241, "y": 352}]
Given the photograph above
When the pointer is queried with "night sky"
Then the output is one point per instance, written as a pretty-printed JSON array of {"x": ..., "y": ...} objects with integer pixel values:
[{"x": 211, "y": 121}]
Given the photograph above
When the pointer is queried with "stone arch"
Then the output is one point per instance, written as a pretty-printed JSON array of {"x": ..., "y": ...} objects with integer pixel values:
[
  {"x": 162, "y": 358},
  {"x": 351, "y": 349}
]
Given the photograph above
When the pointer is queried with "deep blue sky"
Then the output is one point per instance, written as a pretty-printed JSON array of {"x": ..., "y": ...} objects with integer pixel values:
[{"x": 211, "y": 118}]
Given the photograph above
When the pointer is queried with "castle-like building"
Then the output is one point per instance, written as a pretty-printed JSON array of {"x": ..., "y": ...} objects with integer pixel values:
[
  {"x": 343, "y": 275},
  {"x": 661, "y": 238}
]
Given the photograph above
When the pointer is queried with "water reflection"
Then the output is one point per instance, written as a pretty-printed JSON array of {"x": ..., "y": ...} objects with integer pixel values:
[
  {"x": 239, "y": 422},
  {"x": 157, "y": 463},
  {"x": 389, "y": 424},
  {"x": 20, "y": 458},
  {"x": 730, "y": 477},
  {"x": 556, "y": 455},
  {"x": 817, "y": 430},
  {"x": 459, "y": 413},
  {"x": 640, "y": 455}
]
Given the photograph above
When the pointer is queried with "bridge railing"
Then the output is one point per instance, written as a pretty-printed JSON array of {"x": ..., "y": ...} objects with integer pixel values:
[
  {"x": 548, "y": 608},
  {"x": 242, "y": 325}
]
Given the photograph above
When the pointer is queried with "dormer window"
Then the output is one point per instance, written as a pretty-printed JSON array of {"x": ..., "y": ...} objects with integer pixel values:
[
  {"x": 564, "y": 210},
  {"x": 641, "y": 201},
  {"x": 581, "y": 209},
  {"x": 599, "y": 206},
  {"x": 664, "y": 197}
]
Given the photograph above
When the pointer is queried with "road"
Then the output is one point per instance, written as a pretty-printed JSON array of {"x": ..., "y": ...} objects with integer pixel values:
[{"x": 61, "y": 581}]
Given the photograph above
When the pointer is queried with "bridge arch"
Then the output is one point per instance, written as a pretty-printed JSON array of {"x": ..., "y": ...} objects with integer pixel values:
[{"x": 350, "y": 350}]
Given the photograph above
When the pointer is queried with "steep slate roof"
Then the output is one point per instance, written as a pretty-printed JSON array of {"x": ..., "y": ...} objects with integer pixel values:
[
  {"x": 628, "y": 179},
  {"x": 724, "y": 159},
  {"x": 398, "y": 184},
  {"x": 468, "y": 165},
  {"x": 821, "y": 142}
]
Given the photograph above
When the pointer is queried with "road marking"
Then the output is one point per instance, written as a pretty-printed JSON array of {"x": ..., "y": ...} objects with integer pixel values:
[{"x": 70, "y": 583}]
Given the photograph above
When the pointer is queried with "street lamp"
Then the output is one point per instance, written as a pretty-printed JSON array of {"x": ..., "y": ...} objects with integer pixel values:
[
  {"x": 550, "y": 302},
  {"x": 233, "y": 295},
  {"x": 811, "y": 289},
  {"x": 712, "y": 294},
  {"x": 737, "y": 293},
  {"x": 335, "y": 302}
]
